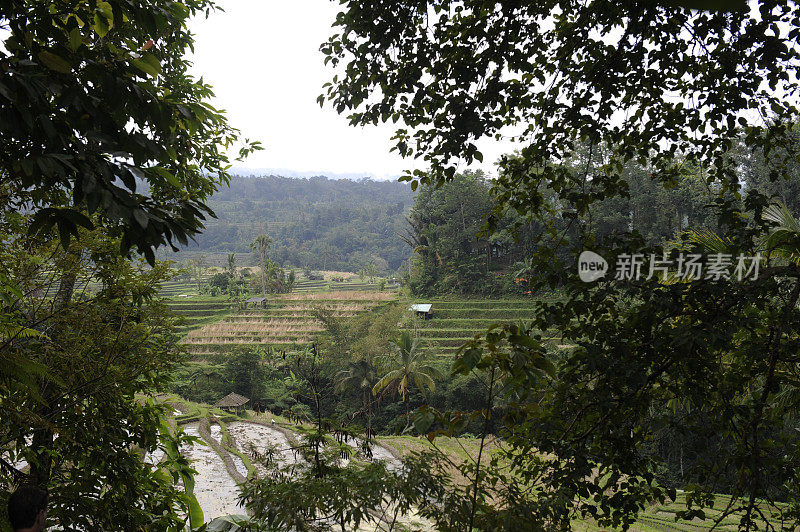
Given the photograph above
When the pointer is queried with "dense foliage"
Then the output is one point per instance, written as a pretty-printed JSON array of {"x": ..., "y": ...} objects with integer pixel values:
[
  {"x": 96, "y": 342},
  {"x": 108, "y": 145}
]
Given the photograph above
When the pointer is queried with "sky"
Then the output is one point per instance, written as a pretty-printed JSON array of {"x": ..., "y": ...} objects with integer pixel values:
[{"x": 262, "y": 58}]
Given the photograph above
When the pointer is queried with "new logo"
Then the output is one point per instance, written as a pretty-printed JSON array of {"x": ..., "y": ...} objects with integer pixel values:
[{"x": 591, "y": 266}]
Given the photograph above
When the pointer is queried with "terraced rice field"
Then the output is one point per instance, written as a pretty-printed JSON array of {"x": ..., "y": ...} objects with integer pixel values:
[
  {"x": 456, "y": 321},
  {"x": 229, "y": 450},
  {"x": 287, "y": 321},
  {"x": 215, "y": 325},
  {"x": 198, "y": 312},
  {"x": 352, "y": 283},
  {"x": 661, "y": 518},
  {"x": 178, "y": 288}
]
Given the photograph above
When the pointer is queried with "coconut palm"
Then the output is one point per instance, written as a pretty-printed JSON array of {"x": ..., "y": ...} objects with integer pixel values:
[
  {"x": 782, "y": 240},
  {"x": 407, "y": 366},
  {"x": 360, "y": 376},
  {"x": 260, "y": 245}
]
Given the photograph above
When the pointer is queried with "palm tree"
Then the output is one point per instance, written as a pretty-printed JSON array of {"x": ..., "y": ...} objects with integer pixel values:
[
  {"x": 232, "y": 264},
  {"x": 782, "y": 240},
  {"x": 361, "y": 376},
  {"x": 198, "y": 265},
  {"x": 260, "y": 245},
  {"x": 408, "y": 366},
  {"x": 371, "y": 270}
]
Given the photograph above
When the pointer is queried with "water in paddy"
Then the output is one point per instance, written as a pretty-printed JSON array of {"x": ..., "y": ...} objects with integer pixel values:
[
  {"x": 379, "y": 454},
  {"x": 214, "y": 488},
  {"x": 216, "y": 433},
  {"x": 261, "y": 438}
]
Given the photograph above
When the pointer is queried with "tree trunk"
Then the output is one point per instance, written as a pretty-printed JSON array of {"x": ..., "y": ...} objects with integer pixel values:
[
  {"x": 369, "y": 414},
  {"x": 66, "y": 287},
  {"x": 263, "y": 275},
  {"x": 42, "y": 466}
]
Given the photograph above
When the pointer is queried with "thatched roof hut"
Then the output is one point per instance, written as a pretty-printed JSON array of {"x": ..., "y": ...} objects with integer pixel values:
[
  {"x": 232, "y": 402},
  {"x": 256, "y": 302}
]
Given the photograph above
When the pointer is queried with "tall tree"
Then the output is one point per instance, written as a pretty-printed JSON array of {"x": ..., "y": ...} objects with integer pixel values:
[
  {"x": 110, "y": 142},
  {"x": 261, "y": 245},
  {"x": 443, "y": 228},
  {"x": 74, "y": 417},
  {"x": 566, "y": 72},
  {"x": 198, "y": 269},
  {"x": 232, "y": 264},
  {"x": 245, "y": 373},
  {"x": 359, "y": 376},
  {"x": 98, "y": 113}
]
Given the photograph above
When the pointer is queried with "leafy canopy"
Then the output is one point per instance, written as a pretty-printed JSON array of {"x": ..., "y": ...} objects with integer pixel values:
[
  {"x": 648, "y": 80},
  {"x": 98, "y": 114}
]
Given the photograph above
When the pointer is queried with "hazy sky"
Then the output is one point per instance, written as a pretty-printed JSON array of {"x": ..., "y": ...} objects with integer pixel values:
[{"x": 262, "y": 58}]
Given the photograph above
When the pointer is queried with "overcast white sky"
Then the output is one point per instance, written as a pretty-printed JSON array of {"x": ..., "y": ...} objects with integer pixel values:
[{"x": 262, "y": 58}]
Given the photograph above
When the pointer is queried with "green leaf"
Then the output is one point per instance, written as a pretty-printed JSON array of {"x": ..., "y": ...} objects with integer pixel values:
[
  {"x": 167, "y": 175},
  {"x": 196, "y": 517},
  {"x": 101, "y": 25},
  {"x": 544, "y": 364},
  {"x": 75, "y": 39},
  {"x": 423, "y": 421},
  {"x": 106, "y": 10},
  {"x": 151, "y": 60},
  {"x": 77, "y": 218},
  {"x": 148, "y": 64},
  {"x": 141, "y": 217},
  {"x": 524, "y": 340},
  {"x": 55, "y": 62},
  {"x": 469, "y": 359}
]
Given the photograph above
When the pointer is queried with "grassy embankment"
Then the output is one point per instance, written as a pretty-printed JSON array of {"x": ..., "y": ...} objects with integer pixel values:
[{"x": 655, "y": 518}]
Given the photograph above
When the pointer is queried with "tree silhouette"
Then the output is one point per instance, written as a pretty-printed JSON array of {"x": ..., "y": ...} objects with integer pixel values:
[{"x": 360, "y": 376}]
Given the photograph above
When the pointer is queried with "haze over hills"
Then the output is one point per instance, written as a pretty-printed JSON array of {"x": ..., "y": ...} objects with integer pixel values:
[
  {"x": 285, "y": 172},
  {"x": 322, "y": 223}
]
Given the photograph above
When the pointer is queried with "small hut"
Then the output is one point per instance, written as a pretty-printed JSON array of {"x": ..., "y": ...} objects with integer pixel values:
[
  {"x": 256, "y": 302},
  {"x": 422, "y": 310},
  {"x": 233, "y": 403}
]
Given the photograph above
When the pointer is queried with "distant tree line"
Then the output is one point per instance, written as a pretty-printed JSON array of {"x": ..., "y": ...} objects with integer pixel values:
[{"x": 316, "y": 223}]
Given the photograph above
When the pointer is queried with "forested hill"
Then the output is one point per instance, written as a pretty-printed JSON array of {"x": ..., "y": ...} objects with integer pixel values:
[{"x": 316, "y": 222}]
